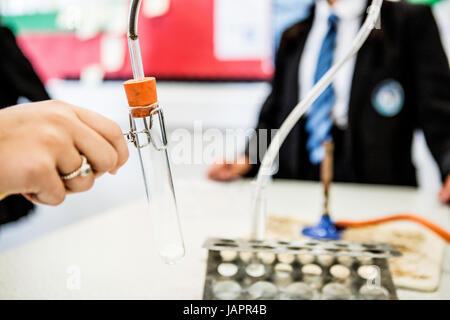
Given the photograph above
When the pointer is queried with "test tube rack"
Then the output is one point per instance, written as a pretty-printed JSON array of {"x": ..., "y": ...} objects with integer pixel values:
[{"x": 298, "y": 270}]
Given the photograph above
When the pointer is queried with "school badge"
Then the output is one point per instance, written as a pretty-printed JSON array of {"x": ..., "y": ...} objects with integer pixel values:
[{"x": 388, "y": 98}]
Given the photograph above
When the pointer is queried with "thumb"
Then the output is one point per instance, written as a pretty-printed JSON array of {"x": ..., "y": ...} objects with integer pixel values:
[{"x": 444, "y": 195}]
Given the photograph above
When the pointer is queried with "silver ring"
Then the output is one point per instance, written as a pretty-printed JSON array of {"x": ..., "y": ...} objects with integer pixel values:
[{"x": 82, "y": 171}]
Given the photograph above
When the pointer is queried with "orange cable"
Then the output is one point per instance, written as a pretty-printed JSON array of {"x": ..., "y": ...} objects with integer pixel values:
[{"x": 433, "y": 227}]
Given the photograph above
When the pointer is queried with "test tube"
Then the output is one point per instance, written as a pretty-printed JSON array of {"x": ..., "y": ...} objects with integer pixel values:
[{"x": 148, "y": 134}]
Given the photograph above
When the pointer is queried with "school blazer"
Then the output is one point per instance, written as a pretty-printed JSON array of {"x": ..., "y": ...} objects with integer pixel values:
[{"x": 405, "y": 54}]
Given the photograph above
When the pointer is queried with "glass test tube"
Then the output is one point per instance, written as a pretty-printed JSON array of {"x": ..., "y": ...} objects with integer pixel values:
[
  {"x": 159, "y": 187},
  {"x": 147, "y": 124}
]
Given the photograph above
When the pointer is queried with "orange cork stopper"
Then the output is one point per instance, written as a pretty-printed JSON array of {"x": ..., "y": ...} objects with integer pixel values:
[{"x": 140, "y": 95}]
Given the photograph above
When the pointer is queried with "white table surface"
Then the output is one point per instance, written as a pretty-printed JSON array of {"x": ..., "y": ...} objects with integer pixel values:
[{"x": 117, "y": 259}]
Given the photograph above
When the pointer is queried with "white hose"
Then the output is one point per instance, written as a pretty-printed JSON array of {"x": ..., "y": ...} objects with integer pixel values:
[{"x": 265, "y": 170}]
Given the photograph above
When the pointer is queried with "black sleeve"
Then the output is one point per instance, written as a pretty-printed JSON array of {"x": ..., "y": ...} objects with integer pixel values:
[
  {"x": 431, "y": 74},
  {"x": 268, "y": 117},
  {"x": 13, "y": 208},
  {"x": 17, "y": 73}
]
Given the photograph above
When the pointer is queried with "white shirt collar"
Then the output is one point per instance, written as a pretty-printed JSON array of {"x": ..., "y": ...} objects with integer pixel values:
[{"x": 344, "y": 9}]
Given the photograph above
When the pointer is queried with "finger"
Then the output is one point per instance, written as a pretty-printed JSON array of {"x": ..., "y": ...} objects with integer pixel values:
[
  {"x": 444, "y": 199},
  {"x": 238, "y": 170},
  {"x": 29, "y": 197},
  {"x": 33, "y": 198},
  {"x": 211, "y": 175},
  {"x": 226, "y": 175},
  {"x": 215, "y": 171},
  {"x": 444, "y": 195},
  {"x": 100, "y": 154},
  {"x": 52, "y": 192},
  {"x": 109, "y": 130},
  {"x": 227, "y": 178},
  {"x": 69, "y": 162},
  {"x": 212, "y": 171}
]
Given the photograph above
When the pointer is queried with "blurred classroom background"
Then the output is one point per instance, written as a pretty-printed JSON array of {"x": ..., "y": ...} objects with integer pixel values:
[{"x": 213, "y": 60}]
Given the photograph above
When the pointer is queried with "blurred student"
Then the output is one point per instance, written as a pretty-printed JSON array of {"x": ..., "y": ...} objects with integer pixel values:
[{"x": 398, "y": 82}]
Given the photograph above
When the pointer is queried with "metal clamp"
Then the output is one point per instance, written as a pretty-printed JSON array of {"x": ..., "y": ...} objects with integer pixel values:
[{"x": 132, "y": 136}]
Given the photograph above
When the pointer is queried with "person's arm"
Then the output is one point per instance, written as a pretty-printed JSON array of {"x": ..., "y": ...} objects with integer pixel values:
[
  {"x": 431, "y": 74},
  {"x": 40, "y": 142}
]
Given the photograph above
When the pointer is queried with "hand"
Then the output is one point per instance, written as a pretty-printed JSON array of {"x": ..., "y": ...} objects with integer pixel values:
[
  {"x": 444, "y": 195},
  {"x": 41, "y": 141},
  {"x": 229, "y": 171}
]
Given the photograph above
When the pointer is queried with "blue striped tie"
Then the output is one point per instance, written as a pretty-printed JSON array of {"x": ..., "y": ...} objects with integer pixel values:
[{"x": 319, "y": 121}]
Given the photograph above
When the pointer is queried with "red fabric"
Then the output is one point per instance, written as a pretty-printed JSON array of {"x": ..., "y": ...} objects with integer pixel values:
[
  {"x": 179, "y": 44},
  {"x": 59, "y": 55}
]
